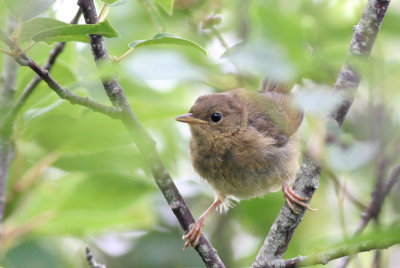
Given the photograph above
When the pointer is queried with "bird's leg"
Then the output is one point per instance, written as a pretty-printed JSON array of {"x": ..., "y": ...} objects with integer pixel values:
[
  {"x": 193, "y": 236},
  {"x": 291, "y": 197}
]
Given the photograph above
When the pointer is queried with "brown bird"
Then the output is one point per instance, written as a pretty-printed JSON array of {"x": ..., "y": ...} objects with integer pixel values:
[{"x": 244, "y": 144}]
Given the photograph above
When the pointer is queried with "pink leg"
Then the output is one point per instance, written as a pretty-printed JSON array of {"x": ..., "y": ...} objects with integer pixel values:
[
  {"x": 291, "y": 197},
  {"x": 193, "y": 236}
]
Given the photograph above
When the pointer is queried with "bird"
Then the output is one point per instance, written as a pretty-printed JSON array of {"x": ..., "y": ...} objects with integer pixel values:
[{"x": 244, "y": 144}]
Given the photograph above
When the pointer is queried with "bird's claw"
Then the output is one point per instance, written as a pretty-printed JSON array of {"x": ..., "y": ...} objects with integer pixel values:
[
  {"x": 193, "y": 236},
  {"x": 291, "y": 197}
]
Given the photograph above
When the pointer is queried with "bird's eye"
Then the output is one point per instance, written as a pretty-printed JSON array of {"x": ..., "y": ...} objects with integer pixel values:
[{"x": 216, "y": 117}]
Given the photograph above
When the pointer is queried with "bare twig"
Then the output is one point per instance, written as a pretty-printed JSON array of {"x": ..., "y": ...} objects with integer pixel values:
[
  {"x": 91, "y": 261},
  {"x": 376, "y": 203},
  {"x": 307, "y": 179},
  {"x": 7, "y": 151},
  {"x": 378, "y": 197},
  {"x": 346, "y": 191},
  {"x": 145, "y": 143}
]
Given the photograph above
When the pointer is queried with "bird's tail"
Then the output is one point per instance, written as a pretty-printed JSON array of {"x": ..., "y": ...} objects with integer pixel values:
[
  {"x": 280, "y": 92},
  {"x": 273, "y": 85}
]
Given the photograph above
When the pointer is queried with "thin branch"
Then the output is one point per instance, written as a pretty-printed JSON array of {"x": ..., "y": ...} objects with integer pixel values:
[
  {"x": 7, "y": 150},
  {"x": 327, "y": 256},
  {"x": 284, "y": 226},
  {"x": 91, "y": 261},
  {"x": 346, "y": 191},
  {"x": 63, "y": 93},
  {"x": 59, "y": 47},
  {"x": 145, "y": 143},
  {"x": 378, "y": 197},
  {"x": 365, "y": 33},
  {"x": 9, "y": 74},
  {"x": 376, "y": 203}
]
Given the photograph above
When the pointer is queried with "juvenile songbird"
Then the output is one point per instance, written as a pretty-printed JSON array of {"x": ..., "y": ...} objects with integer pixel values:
[{"x": 244, "y": 144}]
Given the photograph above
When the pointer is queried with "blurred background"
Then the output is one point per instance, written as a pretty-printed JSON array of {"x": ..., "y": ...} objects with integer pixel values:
[{"x": 78, "y": 179}]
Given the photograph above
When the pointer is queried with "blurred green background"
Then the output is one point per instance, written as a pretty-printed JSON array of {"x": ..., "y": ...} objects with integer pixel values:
[{"x": 78, "y": 179}]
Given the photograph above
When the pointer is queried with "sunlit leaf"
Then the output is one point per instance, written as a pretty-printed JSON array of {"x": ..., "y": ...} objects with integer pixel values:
[
  {"x": 75, "y": 32},
  {"x": 28, "y": 9},
  {"x": 31, "y": 27},
  {"x": 167, "y": 39}
]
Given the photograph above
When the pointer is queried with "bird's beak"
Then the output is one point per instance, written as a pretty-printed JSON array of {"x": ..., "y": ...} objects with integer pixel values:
[{"x": 190, "y": 119}]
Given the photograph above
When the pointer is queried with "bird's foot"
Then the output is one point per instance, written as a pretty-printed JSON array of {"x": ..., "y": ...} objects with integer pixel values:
[
  {"x": 193, "y": 236},
  {"x": 291, "y": 197}
]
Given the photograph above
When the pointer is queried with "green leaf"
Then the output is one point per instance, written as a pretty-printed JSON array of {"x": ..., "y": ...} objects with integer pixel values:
[
  {"x": 31, "y": 27},
  {"x": 78, "y": 203},
  {"x": 75, "y": 32},
  {"x": 167, "y": 39},
  {"x": 167, "y": 5},
  {"x": 28, "y": 9}
]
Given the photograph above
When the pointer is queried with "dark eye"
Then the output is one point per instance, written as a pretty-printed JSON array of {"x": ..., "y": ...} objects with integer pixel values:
[{"x": 215, "y": 117}]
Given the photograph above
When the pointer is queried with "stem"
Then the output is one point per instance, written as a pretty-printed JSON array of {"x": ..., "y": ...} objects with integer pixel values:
[
  {"x": 284, "y": 226},
  {"x": 126, "y": 54},
  {"x": 102, "y": 10},
  {"x": 145, "y": 143},
  {"x": 327, "y": 256}
]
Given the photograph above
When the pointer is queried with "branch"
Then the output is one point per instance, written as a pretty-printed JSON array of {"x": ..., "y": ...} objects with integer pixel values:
[
  {"x": 375, "y": 205},
  {"x": 91, "y": 261},
  {"x": 285, "y": 224},
  {"x": 346, "y": 191},
  {"x": 378, "y": 197},
  {"x": 327, "y": 256},
  {"x": 307, "y": 180},
  {"x": 59, "y": 47},
  {"x": 365, "y": 33},
  {"x": 9, "y": 76},
  {"x": 145, "y": 143},
  {"x": 24, "y": 60}
]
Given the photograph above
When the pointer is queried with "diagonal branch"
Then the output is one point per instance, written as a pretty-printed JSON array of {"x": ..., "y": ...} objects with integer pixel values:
[
  {"x": 91, "y": 261},
  {"x": 145, "y": 143},
  {"x": 375, "y": 205},
  {"x": 24, "y": 60},
  {"x": 59, "y": 47},
  {"x": 284, "y": 226},
  {"x": 327, "y": 256}
]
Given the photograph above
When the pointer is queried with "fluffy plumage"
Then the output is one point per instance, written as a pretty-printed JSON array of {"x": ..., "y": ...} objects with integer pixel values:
[
  {"x": 252, "y": 149},
  {"x": 244, "y": 144}
]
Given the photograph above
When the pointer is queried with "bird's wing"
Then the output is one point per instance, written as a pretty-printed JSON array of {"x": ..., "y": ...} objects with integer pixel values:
[
  {"x": 272, "y": 114},
  {"x": 293, "y": 114}
]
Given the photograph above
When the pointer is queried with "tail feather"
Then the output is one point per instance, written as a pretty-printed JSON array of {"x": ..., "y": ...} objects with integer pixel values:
[{"x": 272, "y": 85}]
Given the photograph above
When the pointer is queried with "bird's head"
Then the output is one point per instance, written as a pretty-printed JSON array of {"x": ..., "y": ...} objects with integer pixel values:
[{"x": 215, "y": 115}]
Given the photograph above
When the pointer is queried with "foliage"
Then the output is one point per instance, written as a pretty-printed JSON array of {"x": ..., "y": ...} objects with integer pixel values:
[{"x": 77, "y": 178}]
